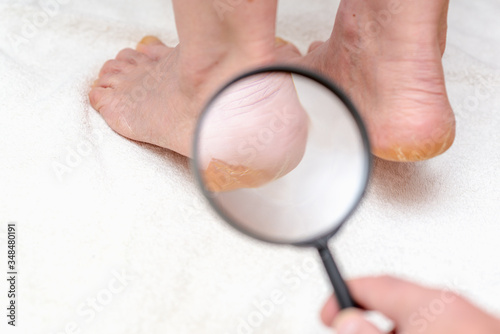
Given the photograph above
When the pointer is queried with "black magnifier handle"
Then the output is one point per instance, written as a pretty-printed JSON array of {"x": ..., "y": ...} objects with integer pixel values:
[{"x": 344, "y": 297}]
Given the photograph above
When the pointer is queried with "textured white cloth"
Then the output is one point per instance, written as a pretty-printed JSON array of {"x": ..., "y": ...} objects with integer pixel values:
[{"x": 128, "y": 207}]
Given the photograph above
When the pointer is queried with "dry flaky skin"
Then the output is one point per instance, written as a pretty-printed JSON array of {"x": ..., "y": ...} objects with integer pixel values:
[
  {"x": 220, "y": 176},
  {"x": 421, "y": 151}
]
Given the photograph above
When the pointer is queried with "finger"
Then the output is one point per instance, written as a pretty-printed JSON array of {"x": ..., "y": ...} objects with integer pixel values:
[
  {"x": 351, "y": 321},
  {"x": 395, "y": 298},
  {"x": 329, "y": 311}
]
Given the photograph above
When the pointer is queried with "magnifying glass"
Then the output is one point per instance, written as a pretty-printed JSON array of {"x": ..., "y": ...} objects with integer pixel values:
[{"x": 283, "y": 156}]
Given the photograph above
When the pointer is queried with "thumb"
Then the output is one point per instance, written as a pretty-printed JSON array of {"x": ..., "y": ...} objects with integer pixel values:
[
  {"x": 351, "y": 321},
  {"x": 397, "y": 299}
]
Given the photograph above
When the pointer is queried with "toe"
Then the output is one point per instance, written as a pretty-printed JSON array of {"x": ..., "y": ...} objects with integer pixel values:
[
  {"x": 285, "y": 50},
  {"x": 150, "y": 40},
  {"x": 113, "y": 66},
  {"x": 153, "y": 48},
  {"x": 130, "y": 56},
  {"x": 98, "y": 97},
  {"x": 279, "y": 42},
  {"x": 111, "y": 80},
  {"x": 314, "y": 46}
]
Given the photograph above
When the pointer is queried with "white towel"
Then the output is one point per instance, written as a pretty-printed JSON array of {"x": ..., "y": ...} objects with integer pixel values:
[{"x": 123, "y": 227}]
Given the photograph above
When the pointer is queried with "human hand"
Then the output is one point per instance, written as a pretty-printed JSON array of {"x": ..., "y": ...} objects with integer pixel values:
[{"x": 412, "y": 308}]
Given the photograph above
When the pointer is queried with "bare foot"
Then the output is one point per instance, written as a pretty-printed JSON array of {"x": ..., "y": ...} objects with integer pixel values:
[
  {"x": 254, "y": 132},
  {"x": 155, "y": 94},
  {"x": 388, "y": 59}
]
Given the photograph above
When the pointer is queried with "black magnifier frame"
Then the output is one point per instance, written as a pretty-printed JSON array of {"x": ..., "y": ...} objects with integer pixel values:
[{"x": 321, "y": 242}]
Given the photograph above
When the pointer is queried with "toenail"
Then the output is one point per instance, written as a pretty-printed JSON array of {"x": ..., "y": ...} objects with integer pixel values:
[
  {"x": 280, "y": 42},
  {"x": 149, "y": 40}
]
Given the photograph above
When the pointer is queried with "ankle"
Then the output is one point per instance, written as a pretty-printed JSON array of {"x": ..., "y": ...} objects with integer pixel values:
[{"x": 217, "y": 66}]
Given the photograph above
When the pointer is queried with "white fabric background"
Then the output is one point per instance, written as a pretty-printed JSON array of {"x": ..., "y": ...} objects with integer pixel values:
[{"x": 130, "y": 207}]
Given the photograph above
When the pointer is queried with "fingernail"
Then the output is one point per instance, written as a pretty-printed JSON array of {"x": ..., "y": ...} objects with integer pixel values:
[
  {"x": 348, "y": 322},
  {"x": 352, "y": 326}
]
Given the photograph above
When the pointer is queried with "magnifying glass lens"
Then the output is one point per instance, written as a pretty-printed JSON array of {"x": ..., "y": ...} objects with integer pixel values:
[{"x": 282, "y": 156}]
